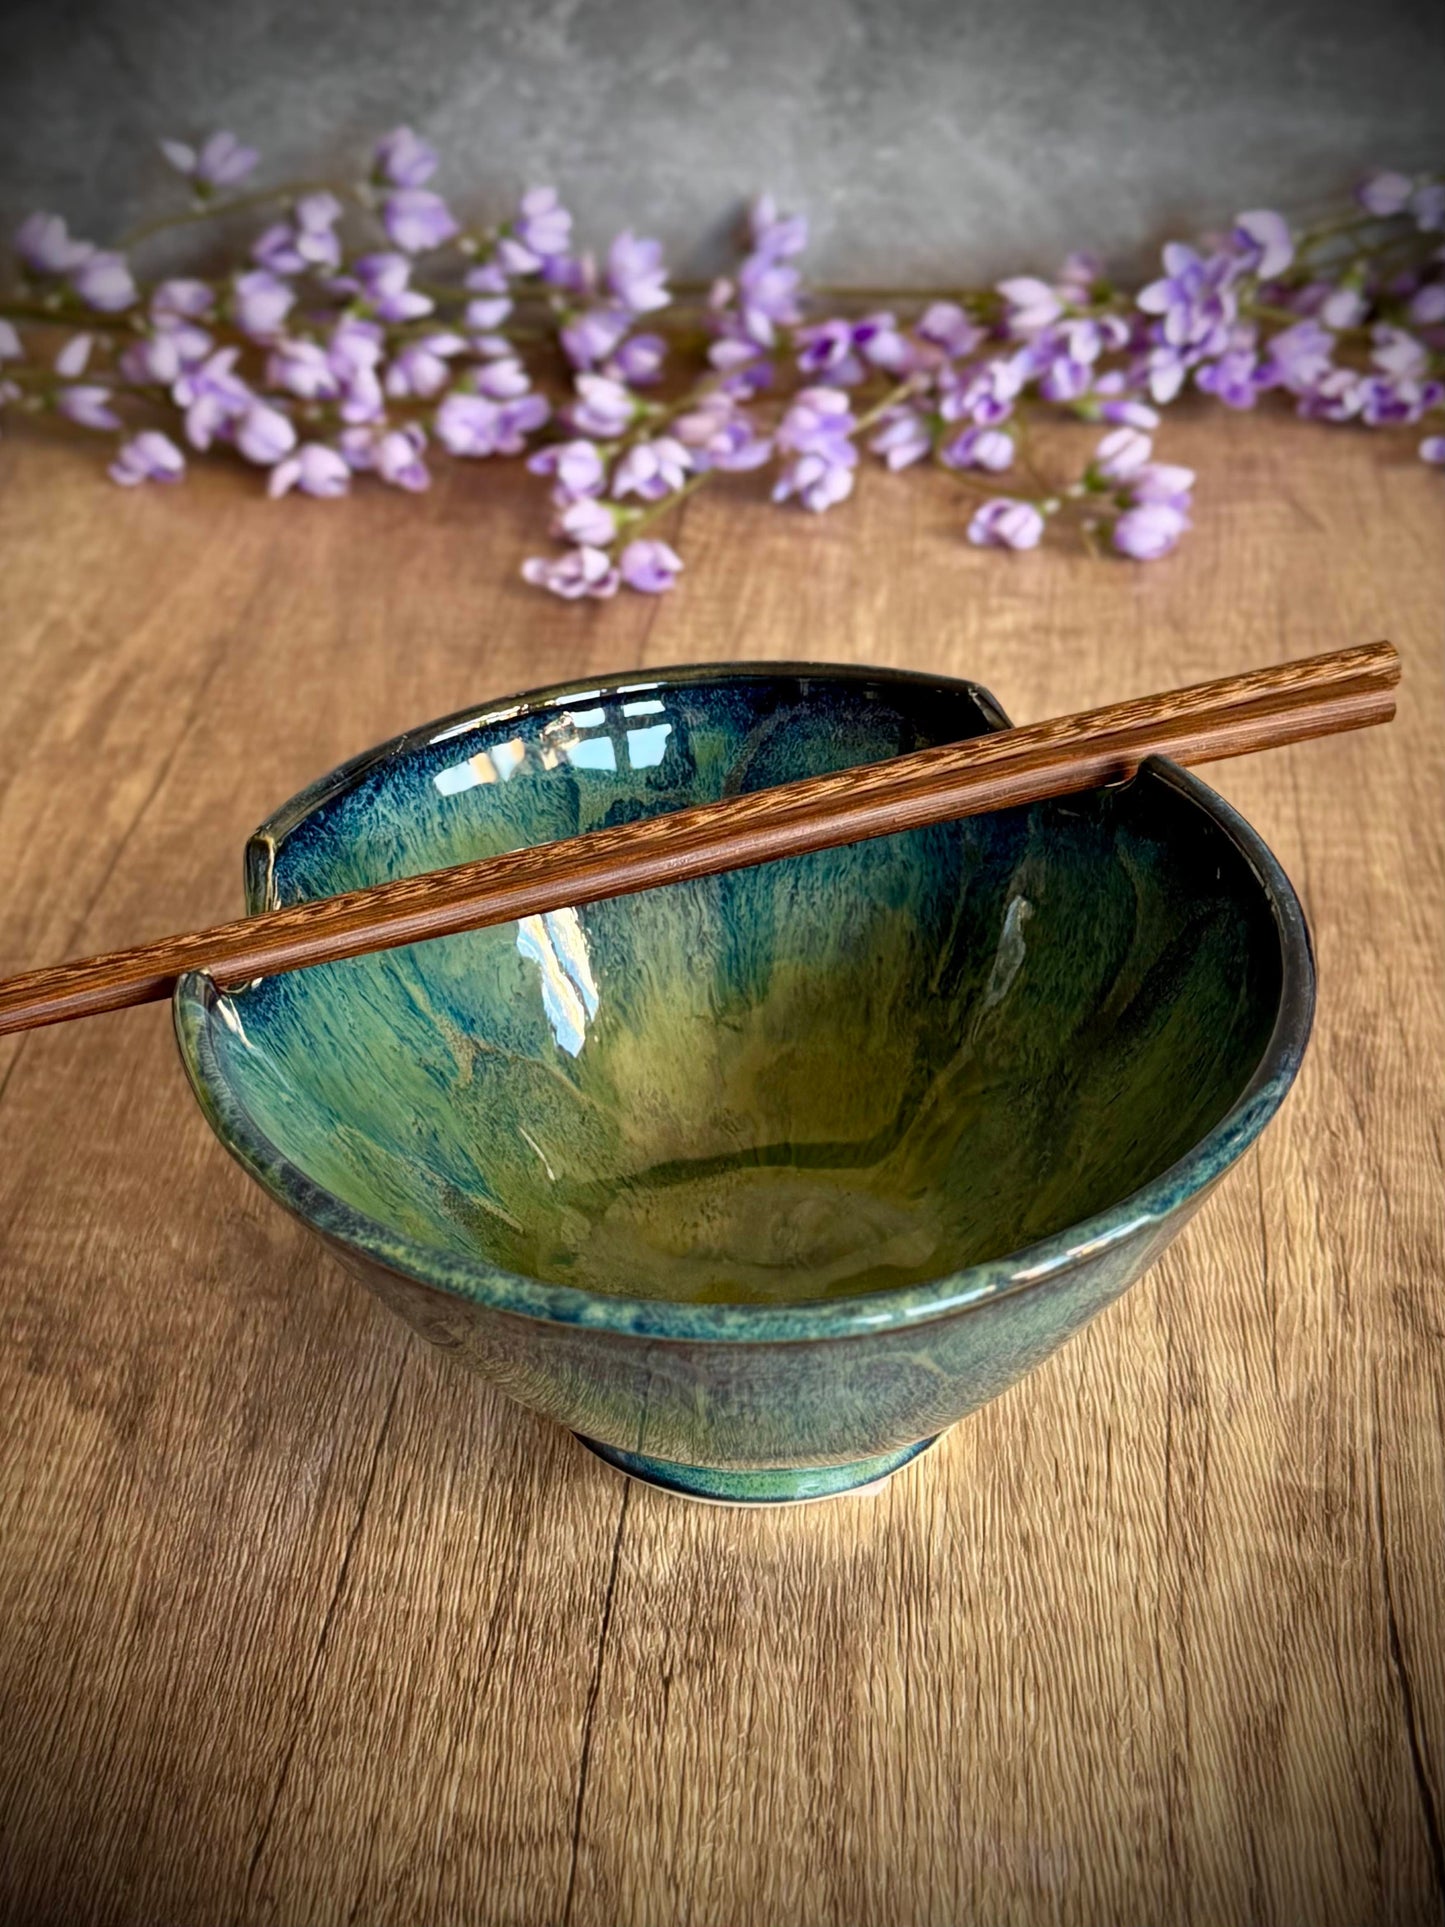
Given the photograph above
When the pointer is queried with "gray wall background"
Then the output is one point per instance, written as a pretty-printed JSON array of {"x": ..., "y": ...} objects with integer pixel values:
[{"x": 924, "y": 139}]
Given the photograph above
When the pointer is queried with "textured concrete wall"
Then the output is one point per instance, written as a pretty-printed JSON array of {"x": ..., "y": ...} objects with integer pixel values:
[{"x": 922, "y": 137}]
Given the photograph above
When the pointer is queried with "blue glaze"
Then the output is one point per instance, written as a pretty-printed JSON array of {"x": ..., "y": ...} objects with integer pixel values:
[{"x": 914, "y": 1110}]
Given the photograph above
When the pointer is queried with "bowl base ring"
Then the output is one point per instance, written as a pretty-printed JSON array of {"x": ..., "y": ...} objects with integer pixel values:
[{"x": 758, "y": 1485}]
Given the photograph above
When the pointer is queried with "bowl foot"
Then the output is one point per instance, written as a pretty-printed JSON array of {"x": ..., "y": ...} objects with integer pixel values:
[{"x": 768, "y": 1485}]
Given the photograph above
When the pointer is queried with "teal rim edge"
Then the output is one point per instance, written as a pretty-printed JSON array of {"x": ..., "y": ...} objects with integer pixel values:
[
  {"x": 196, "y": 996},
  {"x": 764, "y": 1486}
]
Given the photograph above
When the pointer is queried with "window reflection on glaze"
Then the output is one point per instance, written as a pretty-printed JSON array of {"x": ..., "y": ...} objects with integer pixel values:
[
  {"x": 557, "y": 944},
  {"x": 582, "y": 739},
  {"x": 585, "y": 740}
]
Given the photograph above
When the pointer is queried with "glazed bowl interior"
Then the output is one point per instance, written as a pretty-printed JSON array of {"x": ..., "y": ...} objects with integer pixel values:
[{"x": 840, "y": 1074}]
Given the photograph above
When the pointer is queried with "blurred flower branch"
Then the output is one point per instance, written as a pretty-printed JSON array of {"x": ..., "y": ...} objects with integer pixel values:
[{"x": 369, "y": 328}]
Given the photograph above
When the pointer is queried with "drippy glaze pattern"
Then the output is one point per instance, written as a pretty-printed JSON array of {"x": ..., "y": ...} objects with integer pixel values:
[{"x": 776, "y": 1171}]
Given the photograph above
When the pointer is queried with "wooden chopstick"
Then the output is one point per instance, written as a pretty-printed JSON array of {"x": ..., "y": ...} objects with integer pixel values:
[{"x": 1348, "y": 689}]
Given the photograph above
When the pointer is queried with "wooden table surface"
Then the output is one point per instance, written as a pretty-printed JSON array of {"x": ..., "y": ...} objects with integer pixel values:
[{"x": 298, "y": 1623}]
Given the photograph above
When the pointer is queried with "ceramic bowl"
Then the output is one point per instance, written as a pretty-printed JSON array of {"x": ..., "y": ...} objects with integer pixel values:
[{"x": 758, "y": 1183}]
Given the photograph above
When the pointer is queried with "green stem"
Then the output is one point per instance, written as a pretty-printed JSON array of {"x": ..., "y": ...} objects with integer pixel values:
[
  {"x": 895, "y": 395},
  {"x": 211, "y": 210},
  {"x": 666, "y": 506},
  {"x": 1330, "y": 230}
]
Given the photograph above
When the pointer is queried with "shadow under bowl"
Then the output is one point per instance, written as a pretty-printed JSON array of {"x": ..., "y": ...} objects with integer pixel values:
[{"x": 758, "y": 1182}]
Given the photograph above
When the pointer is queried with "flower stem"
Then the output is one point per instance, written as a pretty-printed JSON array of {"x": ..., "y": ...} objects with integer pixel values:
[
  {"x": 898, "y": 393},
  {"x": 211, "y": 210},
  {"x": 670, "y": 502}
]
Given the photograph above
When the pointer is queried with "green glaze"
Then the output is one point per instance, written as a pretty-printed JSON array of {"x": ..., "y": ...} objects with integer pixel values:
[{"x": 761, "y": 1180}]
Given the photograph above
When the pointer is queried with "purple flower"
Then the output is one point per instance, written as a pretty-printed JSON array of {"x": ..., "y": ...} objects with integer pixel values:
[
  {"x": 502, "y": 380},
  {"x": 260, "y": 303},
  {"x": 148, "y": 457},
  {"x": 88, "y": 406},
  {"x": 819, "y": 421},
  {"x": 315, "y": 214},
  {"x": 945, "y": 325},
  {"x": 1193, "y": 300},
  {"x": 1385, "y": 194},
  {"x": 817, "y": 430},
  {"x": 354, "y": 354},
  {"x": 826, "y": 348},
  {"x": 1006, "y": 524},
  {"x": 315, "y": 469},
  {"x": 1336, "y": 396},
  {"x": 578, "y": 467},
  {"x": 472, "y": 425},
  {"x": 222, "y": 161},
  {"x": 1122, "y": 454},
  {"x": 418, "y": 220},
  {"x": 1427, "y": 204},
  {"x": 1085, "y": 339},
  {"x": 212, "y": 395},
  {"x": 1264, "y": 241},
  {"x": 103, "y": 280},
  {"x": 1427, "y": 306},
  {"x": 541, "y": 231},
  {"x": 303, "y": 368},
  {"x": 1235, "y": 379},
  {"x": 468, "y": 425},
  {"x": 777, "y": 236},
  {"x": 581, "y": 572},
  {"x": 403, "y": 158},
  {"x": 1130, "y": 412},
  {"x": 1032, "y": 304},
  {"x": 1165, "y": 369},
  {"x": 72, "y": 358},
  {"x": 488, "y": 313},
  {"x": 882, "y": 344},
  {"x": 518, "y": 420},
  {"x": 652, "y": 469},
  {"x": 1397, "y": 352},
  {"x": 420, "y": 367},
  {"x": 604, "y": 408},
  {"x": 1299, "y": 357},
  {"x": 722, "y": 436},
  {"x": 638, "y": 362},
  {"x": 1164, "y": 482},
  {"x": 591, "y": 337},
  {"x": 903, "y": 439},
  {"x": 1386, "y": 403},
  {"x": 11, "y": 347},
  {"x": 766, "y": 296},
  {"x": 181, "y": 300},
  {"x": 819, "y": 481},
  {"x": 636, "y": 273},
  {"x": 988, "y": 448},
  {"x": 983, "y": 394},
  {"x": 650, "y": 566},
  {"x": 1432, "y": 450},
  {"x": 384, "y": 279},
  {"x": 46, "y": 246},
  {"x": 397, "y": 458},
  {"x": 264, "y": 434},
  {"x": 589, "y": 522},
  {"x": 308, "y": 240},
  {"x": 1065, "y": 379},
  {"x": 1078, "y": 278},
  {"x": 1343, "y": 308},
  {"x": 275, "y": 249},
  {"x": 1150, "y": 531}
]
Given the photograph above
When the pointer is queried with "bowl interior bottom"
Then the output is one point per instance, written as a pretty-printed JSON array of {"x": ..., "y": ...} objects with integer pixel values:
[{"x": 865, "y": 1068}]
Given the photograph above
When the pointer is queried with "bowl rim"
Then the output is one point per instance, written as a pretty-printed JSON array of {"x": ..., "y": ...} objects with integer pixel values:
[{"x": 1141, "y": 1211}]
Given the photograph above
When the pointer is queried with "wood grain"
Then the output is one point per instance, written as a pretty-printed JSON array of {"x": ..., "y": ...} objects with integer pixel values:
[
  {"x": 301, "y": 1625},
  {"x": 1231, "y": 716}
]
